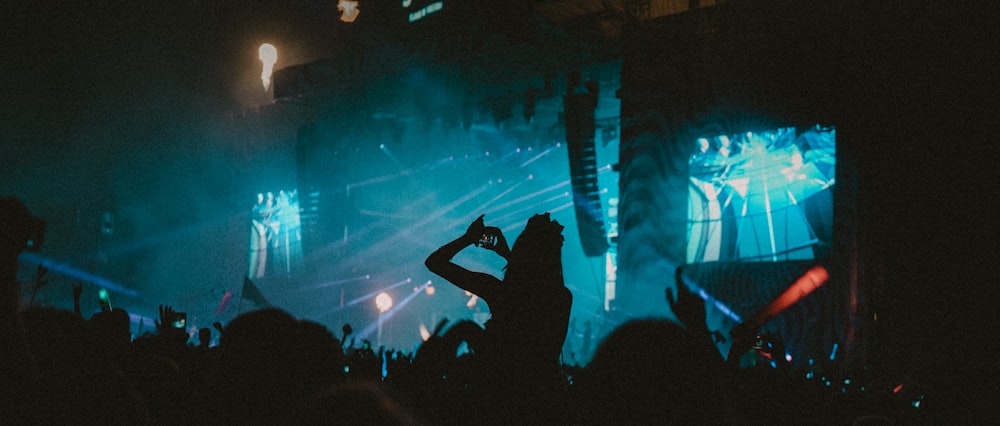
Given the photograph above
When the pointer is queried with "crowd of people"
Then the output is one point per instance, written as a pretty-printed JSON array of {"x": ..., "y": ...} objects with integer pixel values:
[{"x": 269, "y": 367}]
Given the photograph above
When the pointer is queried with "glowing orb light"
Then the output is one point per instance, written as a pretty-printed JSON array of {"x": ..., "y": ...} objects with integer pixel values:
[{"x": 383, "y": 302}]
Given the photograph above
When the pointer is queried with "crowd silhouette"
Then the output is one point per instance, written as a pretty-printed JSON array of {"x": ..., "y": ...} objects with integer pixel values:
[{"x": 58, "y": 367}]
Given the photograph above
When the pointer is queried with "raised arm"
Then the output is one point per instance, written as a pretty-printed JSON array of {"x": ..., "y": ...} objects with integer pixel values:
[
  {"x": 439, "y": 262},
  {"x": 77, "y": 292}
]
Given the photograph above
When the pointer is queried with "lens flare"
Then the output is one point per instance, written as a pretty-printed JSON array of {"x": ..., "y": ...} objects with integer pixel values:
[{"x": 383, "y": 302}]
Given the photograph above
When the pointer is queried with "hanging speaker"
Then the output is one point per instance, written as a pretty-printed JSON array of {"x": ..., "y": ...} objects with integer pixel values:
[{"x": 580, "y": 129}]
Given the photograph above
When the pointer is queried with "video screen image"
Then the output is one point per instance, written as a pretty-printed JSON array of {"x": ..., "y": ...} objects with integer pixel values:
[
  {"x": 762, "y": 196},
  {"x": 275, "y": 234}
]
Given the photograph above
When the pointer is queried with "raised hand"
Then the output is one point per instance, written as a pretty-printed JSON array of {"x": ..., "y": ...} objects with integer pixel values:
[
  {"x": 493, "y": 239},
  {"x": 347, "y": 332},
  {"x": 743, "y": 336},
  {"x": 77, "y": 292},
  {"x": 41, "y": 276},
  {"x": 167, "y": 318},
  {"x": 744, "y": 332},
  {"x": 476, "y": 229},
  {"x": 440, "y": 327},
  {"x": 687, "y": 306}
]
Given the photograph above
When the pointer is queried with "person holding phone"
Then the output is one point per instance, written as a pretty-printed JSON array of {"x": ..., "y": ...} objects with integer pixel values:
[{"x": 519, "y": 354}]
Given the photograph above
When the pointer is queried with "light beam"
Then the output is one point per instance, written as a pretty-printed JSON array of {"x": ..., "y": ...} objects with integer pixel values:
[
  {"x": 802, "y": 287},
  {"x": 73, "y": 272}
]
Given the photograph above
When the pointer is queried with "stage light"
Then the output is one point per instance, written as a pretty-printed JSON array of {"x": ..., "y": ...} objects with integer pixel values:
[
  {"x": 424, "y": 333},
  {"x": 349, "y": 10},
  {"x": 385, "y": 315},
  {"x": 268, "y": 55},
  {"x": 383, "y": 302}
]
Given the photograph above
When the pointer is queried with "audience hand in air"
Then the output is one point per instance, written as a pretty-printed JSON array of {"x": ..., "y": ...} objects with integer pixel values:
[
  {"x": 476, "y": 230},
  {"x": 487, "y": 237},
  {"x": 493, "y": 239},
  {"x": 687, "y": 306},
  {"x": 168, "y": 317}
]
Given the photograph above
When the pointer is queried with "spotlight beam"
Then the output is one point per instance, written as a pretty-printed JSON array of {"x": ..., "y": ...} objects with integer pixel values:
[
  {"x": 75, "y": 273},
  {"x": 336, "y": 282},
  {"x": 529, "y": 197},
  {"x": 715, "y": 302},
  {"x": 368, "y": 296},
  {"x": 512, "y": 188},
  {"x": 391, "y": 243},
  {"x": 540, "y": 155},
  {"x": 404, "y": 172},
  {"x": 802, "y": 287},
  {"x": 377, "y": 292},
  {"x": 174, "y": 234},
  {"x": 371, "y": 328}
]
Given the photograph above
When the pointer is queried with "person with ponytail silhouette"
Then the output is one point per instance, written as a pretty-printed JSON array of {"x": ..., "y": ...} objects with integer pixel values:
[{"x": 518, "y": 356}]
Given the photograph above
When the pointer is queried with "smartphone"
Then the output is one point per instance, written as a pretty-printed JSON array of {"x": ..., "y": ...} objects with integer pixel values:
[
  {"x": 489, "y": 239},
  {"x": 758, "y": 341},
  {"x": 486, "y": 241},
  {"x": 180, "y": 321}
]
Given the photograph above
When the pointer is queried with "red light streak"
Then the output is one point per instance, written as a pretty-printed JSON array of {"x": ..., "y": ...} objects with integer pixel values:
[{"x": 802, "y": 287}]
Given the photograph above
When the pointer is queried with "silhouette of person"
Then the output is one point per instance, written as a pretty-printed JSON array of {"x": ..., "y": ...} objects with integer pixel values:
[
  {"x": 519, "y": 354},
  {"x": 653, "y": 371},
  {"x": 19, "y": 232}
]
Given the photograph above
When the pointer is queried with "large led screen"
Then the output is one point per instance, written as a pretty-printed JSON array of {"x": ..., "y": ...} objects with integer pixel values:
[
  {"x": 762, "y": 196},
  {"x": 275, "y": 234}
]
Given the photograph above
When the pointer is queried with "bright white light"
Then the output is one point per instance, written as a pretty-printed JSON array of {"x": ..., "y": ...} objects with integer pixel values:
[
  {"x": 424, "y": 333},
  {"x": 383, "y": 302},
  {"x": 268, "y": 56},
  {"x": 349, "y": 10},
  {"x": 703, "y": 145}
]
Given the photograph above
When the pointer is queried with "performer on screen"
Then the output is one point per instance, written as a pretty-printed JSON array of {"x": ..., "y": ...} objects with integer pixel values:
[{"x": 263, "y": 231}]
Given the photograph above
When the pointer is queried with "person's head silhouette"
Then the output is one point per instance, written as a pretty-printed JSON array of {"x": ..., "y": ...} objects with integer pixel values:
[{"x": 536, "y": 256}]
